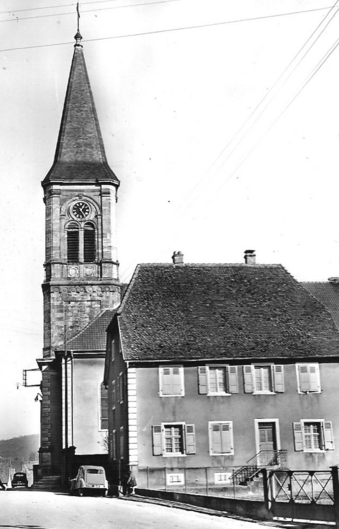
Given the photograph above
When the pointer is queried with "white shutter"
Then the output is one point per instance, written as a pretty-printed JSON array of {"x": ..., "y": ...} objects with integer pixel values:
[
  {"x": 314, "y": 377},
  {"x": 166, "y": 381},
  {"x": 303, "y": 378},
  {"x": 233, "y": 383},
  {"x": 248, "y": 380},
  {"x": 226, "y": 438},
  {"x": 190, "y": 439},
  {"x": 328, "y": 435},
  {"x": 177, "y": 388},
  {"x": 157, "y": 440},
  {"x": 202, "y": 380},
  {"x": 298, "y": 436},
  {"x": 279, "y": 386},
  {"x": 215, "y": 438}
]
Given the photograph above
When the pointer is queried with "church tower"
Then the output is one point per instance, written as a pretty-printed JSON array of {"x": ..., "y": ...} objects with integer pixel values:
[{"x": 81, "y": 268}]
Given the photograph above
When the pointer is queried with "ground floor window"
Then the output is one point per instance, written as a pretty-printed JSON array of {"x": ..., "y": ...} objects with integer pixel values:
[
  {"x": 313, "y": 435},
  {"x": 173, "y": 439}
]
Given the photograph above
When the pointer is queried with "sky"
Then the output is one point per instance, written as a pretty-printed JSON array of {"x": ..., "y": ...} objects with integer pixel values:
[{"x": 219, "y": 117}]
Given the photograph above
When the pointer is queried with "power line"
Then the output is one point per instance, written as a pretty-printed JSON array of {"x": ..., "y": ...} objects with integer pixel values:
[{"x": 19, "y": 19}]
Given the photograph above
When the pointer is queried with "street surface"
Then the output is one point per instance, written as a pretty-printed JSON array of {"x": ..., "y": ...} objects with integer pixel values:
[{"x": 26, "y": 509}]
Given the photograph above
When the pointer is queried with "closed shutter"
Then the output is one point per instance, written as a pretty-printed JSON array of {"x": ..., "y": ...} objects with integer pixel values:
[
  {"x": 166, "y": 381},
  {"x": 303, "y": 378},
  {"x": 248, "y": 381},
  {"x": 157, "y": 440},
  {"x": 202, "y": 380},
  {"x": 226, "y": 438},
  {"x": 177, "y": 388},
  {"x": 190, "y": 439},
  {"x": 279, "y": 379},
  {"x": 233, "y": 383},
  {"x": 314, "y": 378},
  {"x": 298, "y": 436},
  {"x": 215, "y": 438},
  {"x": 328, "y": 435}
]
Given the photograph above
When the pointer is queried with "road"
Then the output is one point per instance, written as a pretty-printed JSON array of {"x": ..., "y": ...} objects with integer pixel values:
[{"x": 26, "y": 509}]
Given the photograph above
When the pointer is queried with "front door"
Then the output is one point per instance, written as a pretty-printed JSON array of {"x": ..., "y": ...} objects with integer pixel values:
[{"x": 267, "y": 443}]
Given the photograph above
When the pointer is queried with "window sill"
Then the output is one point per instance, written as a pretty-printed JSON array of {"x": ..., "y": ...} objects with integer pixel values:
[
  {"x": 263, "y": 393},
  {"x": 165, "y": 396},
  {"x": 219, "y": 394},
  {"x": 173, "y": 454},
  {"x": 223, "y": 454}
]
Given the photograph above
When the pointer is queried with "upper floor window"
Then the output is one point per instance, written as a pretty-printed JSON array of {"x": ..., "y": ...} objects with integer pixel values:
[
  {"x": 103, "y": 407},
  {"x": 72, "y": 242},
  {"x": 171, "y": 381},
  {"x": 264, "y": 378},
  {"x": 218, "y": 380},
  {"x": 308, "y": 377}
]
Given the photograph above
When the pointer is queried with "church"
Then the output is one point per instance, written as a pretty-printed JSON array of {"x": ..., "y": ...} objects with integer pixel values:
[{"x": 81, "y": 287}]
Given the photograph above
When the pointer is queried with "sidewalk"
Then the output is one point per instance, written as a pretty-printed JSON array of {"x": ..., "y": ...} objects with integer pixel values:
[{"x": 185, "y": 506}]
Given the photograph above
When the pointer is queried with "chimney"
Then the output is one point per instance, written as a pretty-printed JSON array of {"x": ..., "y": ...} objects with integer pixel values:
[
  {"x": 249, "y": 257},
  {"x": 178, "y": 258}
]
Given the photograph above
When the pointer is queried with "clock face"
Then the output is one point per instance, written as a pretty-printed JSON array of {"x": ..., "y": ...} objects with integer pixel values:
[{"x": 80, "y": 210}]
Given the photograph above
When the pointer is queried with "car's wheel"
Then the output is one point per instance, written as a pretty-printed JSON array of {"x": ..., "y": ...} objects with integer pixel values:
[{"x": 80, "y": 492}]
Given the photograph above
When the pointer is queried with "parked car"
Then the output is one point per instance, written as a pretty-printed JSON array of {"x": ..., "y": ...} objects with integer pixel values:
[
  {"x": 90, "y": 479},
  {"x": 19, "y": 480}
]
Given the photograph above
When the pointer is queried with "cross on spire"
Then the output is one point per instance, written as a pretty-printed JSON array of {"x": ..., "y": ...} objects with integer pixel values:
[{"x": 78, "y": 36}]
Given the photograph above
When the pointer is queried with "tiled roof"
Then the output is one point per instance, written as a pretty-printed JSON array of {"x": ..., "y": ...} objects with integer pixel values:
[
  {"x": 328, "y": 294},
  {"x": 222, "y": 311},
  {"x": 80, "y": 155},
  {"x": 92, "y": 337}
]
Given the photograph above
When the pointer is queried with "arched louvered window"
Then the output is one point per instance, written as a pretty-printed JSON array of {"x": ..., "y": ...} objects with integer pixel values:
[
  {"x": 73, "y": 243},
  {"x": 89, "y": 243}
]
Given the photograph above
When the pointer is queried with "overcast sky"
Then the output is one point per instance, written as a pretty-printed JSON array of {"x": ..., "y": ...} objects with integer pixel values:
[{"x": 203, "y": 168}]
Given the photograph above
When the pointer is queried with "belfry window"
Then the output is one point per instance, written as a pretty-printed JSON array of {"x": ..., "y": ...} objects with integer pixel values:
[
  {"x": 73, "y": 243},
  {"x": 89, "y": 243}
]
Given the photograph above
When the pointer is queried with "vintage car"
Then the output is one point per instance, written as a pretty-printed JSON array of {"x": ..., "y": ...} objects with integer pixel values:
[
  {"x": 90, "y": 479},
  {"x": 19, "y": 480}
]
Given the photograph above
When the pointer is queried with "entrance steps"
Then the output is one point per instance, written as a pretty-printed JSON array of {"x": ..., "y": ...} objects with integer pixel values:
[{"x": 48, "y": 483}]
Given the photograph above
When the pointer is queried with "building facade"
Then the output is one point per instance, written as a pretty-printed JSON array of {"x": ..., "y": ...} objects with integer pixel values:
[
  {"x": 212, "y": 367},
  {"x": 81, "y": 283}
]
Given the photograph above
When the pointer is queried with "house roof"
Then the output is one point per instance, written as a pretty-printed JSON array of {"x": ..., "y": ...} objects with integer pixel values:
[
  {"x": 328, "y": 294},
  {"x": 212, "y": 311},
  {"x": 80, "y": 155},
  {"x": 93, "y": 336}
]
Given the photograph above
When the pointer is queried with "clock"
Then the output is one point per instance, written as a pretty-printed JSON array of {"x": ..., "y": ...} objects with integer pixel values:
[{"x": 80, "y": 210}]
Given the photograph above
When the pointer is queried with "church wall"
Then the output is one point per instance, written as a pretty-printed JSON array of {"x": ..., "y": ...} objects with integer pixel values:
[{"x": 87, "y": 378}]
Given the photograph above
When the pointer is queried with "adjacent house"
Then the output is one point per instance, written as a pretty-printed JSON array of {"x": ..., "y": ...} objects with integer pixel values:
[{"x": 215, "y": 366}]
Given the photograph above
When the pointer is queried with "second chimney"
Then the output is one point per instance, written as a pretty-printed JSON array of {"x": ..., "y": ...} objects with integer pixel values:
[{"x": 250, "y": 257}]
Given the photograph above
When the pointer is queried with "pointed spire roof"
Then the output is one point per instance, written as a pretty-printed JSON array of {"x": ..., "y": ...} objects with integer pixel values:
[{"x": 80, "y": 154}]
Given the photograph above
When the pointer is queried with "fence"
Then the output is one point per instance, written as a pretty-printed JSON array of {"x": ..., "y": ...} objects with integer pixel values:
[{"x": 295, "y": 494}]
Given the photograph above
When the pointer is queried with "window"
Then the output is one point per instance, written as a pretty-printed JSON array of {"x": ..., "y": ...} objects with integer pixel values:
[
  {"x": 112, "y": 350},
  {"x": 173, "y": 439},
  {"x": 171, "y": 381},
  {"x": 313, "y": 436},
  {"x": 218, "y": 380},
  {"x": 121, "y": 387},
  {"x": 264, "y": 378},
  {"x": 113, "y": 392},
  {"x": 114, "y": 444},
  {"x": 220, "y": 438},
  {"x": 103, "y": 408},
  {"x": 72, "y": 242},
  {"x": 308, "y": 377},
  {"x": 122, "y": 442},
  {"x": 89, "y": 243}
]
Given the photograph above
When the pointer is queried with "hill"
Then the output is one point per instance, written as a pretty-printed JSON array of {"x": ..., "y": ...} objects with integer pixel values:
[{"x": 20, "y": 447}]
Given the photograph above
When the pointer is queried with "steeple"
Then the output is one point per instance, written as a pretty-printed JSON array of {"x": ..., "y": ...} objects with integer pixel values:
[{"x": 80, "y": 156}]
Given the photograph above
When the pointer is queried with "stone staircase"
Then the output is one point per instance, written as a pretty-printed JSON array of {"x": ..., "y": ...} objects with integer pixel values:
[{"x": 48, "y": 483}]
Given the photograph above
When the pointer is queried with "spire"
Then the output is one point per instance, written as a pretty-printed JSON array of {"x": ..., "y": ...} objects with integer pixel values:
[{"x": 80, "y": 154}]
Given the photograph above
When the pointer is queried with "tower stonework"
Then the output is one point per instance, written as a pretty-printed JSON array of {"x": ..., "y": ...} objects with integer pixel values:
[{"x": 81, "y": 268}]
